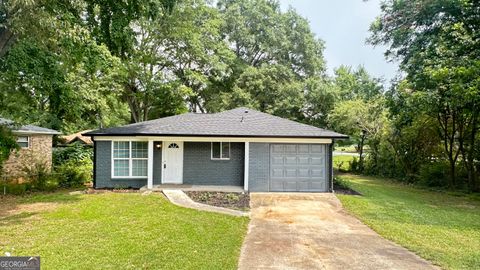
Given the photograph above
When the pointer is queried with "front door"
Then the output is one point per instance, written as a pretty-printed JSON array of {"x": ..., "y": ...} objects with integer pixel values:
[{"x": 172, "y": 166}]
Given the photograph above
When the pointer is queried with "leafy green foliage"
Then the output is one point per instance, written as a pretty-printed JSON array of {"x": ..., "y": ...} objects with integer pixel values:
[
  {"x": 39, "y": 177},
  {"x": 75, "y": 152},
  {"x": 74, "y": 173},
  {"x": 73, "y": 165},
  {"x": 341, "y": 183},
  {"x": 356, "y": 84},
  {"x": 437, "y": 45},
  {"x": 8, "y": 143}
]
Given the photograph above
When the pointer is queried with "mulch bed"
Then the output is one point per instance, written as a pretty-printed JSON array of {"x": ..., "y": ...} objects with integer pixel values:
[
  {"x": 345, "y": 191},
  {"x": 232, "y": 200}
]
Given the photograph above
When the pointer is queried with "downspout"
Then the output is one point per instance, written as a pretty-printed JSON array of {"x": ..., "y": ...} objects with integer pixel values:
[
  {"x": 330, "y": 161},
  {"x": 94, "y": 163}
]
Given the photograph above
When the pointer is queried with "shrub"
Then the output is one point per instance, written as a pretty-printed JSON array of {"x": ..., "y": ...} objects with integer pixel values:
[
  {"x": 354, "y": 165},
  {"x": 232, "y": 197},
  {"x": 73, "y": 173},
  {"x": 341, "y": 183},
  {"x": 76, "y": 151},
  {"x": 434, "y": 174},
  {"x": 15, "y": 189},
  {"x": 39, "y": 177}
]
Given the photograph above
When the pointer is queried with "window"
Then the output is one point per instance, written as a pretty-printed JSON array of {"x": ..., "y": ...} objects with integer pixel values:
[
  {"x": 130, "y": 159},
  {"x": 221, "y": 150},
  {"x": 173, "y": 145},
  {"x": 23, "y": 141}
]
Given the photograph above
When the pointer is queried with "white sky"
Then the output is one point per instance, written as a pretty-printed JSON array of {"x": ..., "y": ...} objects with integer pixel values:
[{"x": 343, "y": 25}]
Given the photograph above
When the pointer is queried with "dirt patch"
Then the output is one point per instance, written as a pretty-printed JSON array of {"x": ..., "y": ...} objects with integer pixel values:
[
  {"x": 33, "y": 207},
  {"x": 232, "y": 200},
  {"x": 8, "y": 210}
]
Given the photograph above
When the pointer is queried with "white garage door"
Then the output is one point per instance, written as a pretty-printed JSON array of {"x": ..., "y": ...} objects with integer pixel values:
[{"x": 298, "y": 167}]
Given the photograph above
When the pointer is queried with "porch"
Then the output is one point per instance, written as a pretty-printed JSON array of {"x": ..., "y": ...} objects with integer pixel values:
[{"x": 184, "y": 187}]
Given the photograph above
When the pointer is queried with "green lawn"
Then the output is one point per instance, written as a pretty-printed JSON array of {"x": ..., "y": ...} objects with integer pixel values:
[
  {"x": 118, "y": 231},
  {"x": 342, "y": 162},
  {"x": 443, "y": 228}
]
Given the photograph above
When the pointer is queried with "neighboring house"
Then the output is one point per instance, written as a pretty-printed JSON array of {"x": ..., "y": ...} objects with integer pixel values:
[
  {"x": 78, "y": 137},
  {"x": 240, "y": 147},
  {"x": 35, "y": 147}
]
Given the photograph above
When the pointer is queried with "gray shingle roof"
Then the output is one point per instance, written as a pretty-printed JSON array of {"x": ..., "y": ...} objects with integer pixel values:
[
  {"x": 240, "y": 122},
  {"x": 28, "y": 129}
]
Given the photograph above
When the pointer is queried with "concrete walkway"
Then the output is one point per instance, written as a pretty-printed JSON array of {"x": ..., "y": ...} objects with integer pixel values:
[
  {"x": 179, "y": 198},
  {"x": 312, "y": 231}
]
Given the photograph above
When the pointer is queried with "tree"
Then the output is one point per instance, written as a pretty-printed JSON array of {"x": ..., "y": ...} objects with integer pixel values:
[
  {"x": 412, "y": 137},
  {"x": 437, "y": 43},
  {"x": 54, "y": 74},
  {"x": 278, "y": 65},
  {"x": 363, "y": 120},
  {"x": 7, "y": 143},
  {"x": 354, "y": 84}
]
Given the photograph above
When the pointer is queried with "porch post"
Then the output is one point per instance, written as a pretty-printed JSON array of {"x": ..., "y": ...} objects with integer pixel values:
[
  {"x": 150, "y": 165},
  {"x": 246, "y": 166}
]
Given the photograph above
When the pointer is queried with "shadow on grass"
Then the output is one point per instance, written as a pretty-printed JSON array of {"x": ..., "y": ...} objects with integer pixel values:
[
  {"x": 18, "y": 209},
  {"x": 16, "y": 219}
]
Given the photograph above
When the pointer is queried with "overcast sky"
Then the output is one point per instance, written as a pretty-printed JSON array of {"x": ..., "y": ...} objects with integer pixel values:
[{"x": 343, "y": 25}]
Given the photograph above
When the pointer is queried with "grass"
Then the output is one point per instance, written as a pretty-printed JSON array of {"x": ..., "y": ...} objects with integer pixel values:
[
  {"x": 342, "y": 162},
  {"x": 118, "y": 231},
  {"x": 346, "y": 148},
  {"x": 440, "y": 227}
]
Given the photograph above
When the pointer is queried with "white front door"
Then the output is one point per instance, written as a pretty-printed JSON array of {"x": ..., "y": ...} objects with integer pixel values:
[{"x": 172, "y": 166}]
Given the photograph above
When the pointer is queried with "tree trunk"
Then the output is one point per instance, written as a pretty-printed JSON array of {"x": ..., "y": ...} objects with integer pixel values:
[
  {"x": 6, "y": 40},
  {"x": 470, "y": 159},
  {"x": 360, "y": 148}
]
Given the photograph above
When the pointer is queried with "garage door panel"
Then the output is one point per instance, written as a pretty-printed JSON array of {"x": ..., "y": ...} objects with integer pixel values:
[
  {"x": 316, "y": 160},
  {"x": 303, "y": 172},
  {"x": 316, "y": 148},
  {"x": 277, "y": 160},
  {"x": 291, "y": 148},
  {"x": 298, "y": 167},
  {"x": 291, "y": 173},
  {"x": 316, "y": 172},
  {"x": 276, "y": 186},
  {"x": 277, "y": 172},
  {"x": 318, "y": 186},
  {"x": 303, "y": 160},
  {"x": 289, "y": 160},
  {"x": 278, "y": 148},
  {"x": 303, "y": 149},
  {"x": 303, "y": 186},
  {"x": 290, "y": 186}
]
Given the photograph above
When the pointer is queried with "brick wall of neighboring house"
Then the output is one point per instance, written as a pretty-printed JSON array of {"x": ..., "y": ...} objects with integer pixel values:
[{"x": 39, "y": 151}]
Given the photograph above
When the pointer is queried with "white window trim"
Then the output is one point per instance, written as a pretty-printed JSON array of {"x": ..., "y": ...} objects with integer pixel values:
[
  {"x": 221, "y": 151},
  {"x": 28, "y": 142},
  {"x": 130, "y": 162}
]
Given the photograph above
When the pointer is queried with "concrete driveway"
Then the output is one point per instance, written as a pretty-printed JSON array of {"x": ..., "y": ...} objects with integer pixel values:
[{"x": 312, "y": 231}]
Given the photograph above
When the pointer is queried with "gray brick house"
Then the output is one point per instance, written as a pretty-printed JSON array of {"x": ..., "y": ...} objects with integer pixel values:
[{"x": 239, "y": 147}]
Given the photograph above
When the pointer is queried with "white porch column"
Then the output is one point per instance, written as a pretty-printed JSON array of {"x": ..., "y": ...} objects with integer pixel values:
[
  {"x": 246, "y": 166},
  {"x": 150, "y": 165}
]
